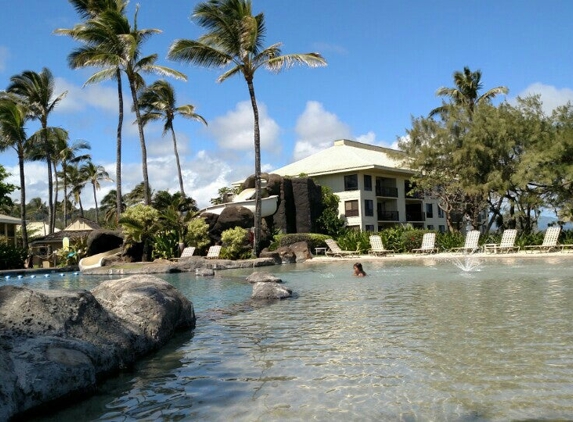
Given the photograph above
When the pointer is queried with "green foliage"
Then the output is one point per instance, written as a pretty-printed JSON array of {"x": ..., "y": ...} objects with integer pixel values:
[
  {"x": 235, "y": 244},
  {"x": 393, "y": 237},
  {"x": 330, "y": 222},
  {"x": 11, "y": 257},
  {"x": 449, "y": 240},
  {"x": 198, "y": 235},
  {"x": 354, "y": 240},
  {"x": 77, "y": 250},
  {"x": 139, "y": 224},
  {"x": 166, "y": 245},
  {"x": 5, "y": 188},
  {"x": 411, "y": 239}
]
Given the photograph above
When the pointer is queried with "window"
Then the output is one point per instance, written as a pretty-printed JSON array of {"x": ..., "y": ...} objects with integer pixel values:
[
  {"x": 367, "y": 182},
  {"x": 351, "y": 208},
  {"x": 351, "y": 182},
  {"x": 369, "y": 208},
  {"x": 440, "y": 213},
  {"x": 442, "y": 228},
  {"x": 430, "y": 227},
  {"x": 369, "y": 227},
  {"x": 429, "y": 211}
]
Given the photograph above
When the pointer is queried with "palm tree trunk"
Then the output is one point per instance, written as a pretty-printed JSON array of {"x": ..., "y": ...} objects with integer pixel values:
[
  {"x": 118, "y": 196},
  {"x": 65, "y": 195},
  {"x": 81, "y": 206},
  {"x": 51, "y": 210},
  {"x": 146, "y": 197},
  {"x": 178, "y": 163},
  {"x": 95, "y": 201},
  {"x": 55, "y": 193},
  {"x": 23, "y": 198},
  {"x": 257, "y": 234}
]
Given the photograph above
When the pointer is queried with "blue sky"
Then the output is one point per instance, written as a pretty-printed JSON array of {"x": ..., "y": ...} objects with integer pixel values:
[{"x": 386, "y": 59}]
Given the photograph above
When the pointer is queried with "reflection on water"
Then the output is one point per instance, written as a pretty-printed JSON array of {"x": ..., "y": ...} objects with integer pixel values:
[{"x": 408, "y": 342}]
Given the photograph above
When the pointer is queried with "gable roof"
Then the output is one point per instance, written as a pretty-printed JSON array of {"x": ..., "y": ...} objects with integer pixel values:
[
  {"x": 345, "y": 156},
  {"x": 9, "y": 220}
]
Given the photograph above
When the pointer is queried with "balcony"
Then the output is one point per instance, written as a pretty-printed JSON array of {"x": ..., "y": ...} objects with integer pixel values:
[
  {"x": 415, "y": 216},
  {"x": 388, "y": 216},
  {"x": 387, "y": 191}
]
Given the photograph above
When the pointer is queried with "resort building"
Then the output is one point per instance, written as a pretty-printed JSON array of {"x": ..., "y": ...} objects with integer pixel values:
[
  {"x": 9, "y": 229},
  {"x": 372, "y": 184}
]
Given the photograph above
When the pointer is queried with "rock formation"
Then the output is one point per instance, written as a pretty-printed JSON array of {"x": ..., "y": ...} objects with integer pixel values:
[{"x": 57, "y": 344}]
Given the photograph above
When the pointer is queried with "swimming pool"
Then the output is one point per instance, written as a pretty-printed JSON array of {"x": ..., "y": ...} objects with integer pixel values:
[{"x": 412, "y": 341}]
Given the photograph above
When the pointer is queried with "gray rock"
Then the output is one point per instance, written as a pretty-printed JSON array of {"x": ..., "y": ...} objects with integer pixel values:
[
  {"x": 301, "y": 251},
  {"x": 204, "y": 272},
  {"x": 263, "y": 277},
  {"x": 54, "y": 344},
  {"x": 270, "y": 291}
]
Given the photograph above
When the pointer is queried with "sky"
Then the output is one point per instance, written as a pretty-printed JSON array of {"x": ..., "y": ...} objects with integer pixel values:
[{"x": 386, "y": 59}]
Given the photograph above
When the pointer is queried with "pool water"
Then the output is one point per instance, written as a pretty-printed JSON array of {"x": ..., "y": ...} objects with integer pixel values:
[{"x": 435, "y": 340}]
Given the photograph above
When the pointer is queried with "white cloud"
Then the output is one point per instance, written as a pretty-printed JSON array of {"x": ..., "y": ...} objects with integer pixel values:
[
  {"x": 316, "y": 129},
  {"x": 4, "y": 55},
  {"x": 551, "y": 96},
  {"x": 234, "y": 130},
  {"x": 370, "y": 138},
  {"x": 78, "y": 98}
]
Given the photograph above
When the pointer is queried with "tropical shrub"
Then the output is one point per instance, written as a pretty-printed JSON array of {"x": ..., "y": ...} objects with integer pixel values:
[
  {"x": 354, "y": 240},
  {"x": 314, "y": 240},
  {"x": 139, "y": 224},
  {"x": 235, "y": 244},
  {"x": 198, "y": 235},
  {"x": 411, "y": 239},
  {"x": 330, "y": 222},
  {"x": 165, "y": 244},
  {"x": 449, "y": 240},
  {"x": 11, "y": 257},
  {"x": 77, "y": 250}
]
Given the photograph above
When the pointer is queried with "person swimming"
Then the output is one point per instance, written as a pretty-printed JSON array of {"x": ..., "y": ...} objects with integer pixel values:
[{"x": 358, "y": 270}]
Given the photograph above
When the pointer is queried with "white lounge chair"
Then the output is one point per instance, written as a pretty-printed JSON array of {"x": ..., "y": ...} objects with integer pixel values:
[
  {"x": 428, "y": 244},
  {"x": 471, "y": 244},
  {"x": 549, "y": 241},
  {"x": 334, "y": 249},
  {"x": 377, "y": 247},
  {"x": 187, "y": 252},
  {"x": 506, "y": 245},
  {"x": 213, "y": 252}
]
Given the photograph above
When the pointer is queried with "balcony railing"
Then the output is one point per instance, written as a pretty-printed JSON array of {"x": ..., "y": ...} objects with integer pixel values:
[
  {"x": 415, "y": 216},
  {"x": 388, "y": 216},
  {"x": 386, "y": 191}
]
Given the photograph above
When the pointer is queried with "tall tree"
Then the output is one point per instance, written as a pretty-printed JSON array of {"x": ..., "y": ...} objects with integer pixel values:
[
  {"x": 113, "y": 43},
  {"x": 465, "y": 93},
  {"x": 235, "y": 38},
  {"x": 36, "y": 90},
  {"x": 94, "y": 174},
  {"x": 13, "y": 135},
  {"x": 77, "y": 181},
  {"x": 158, "y": 102},
  {"x": 98, "y": 52}
]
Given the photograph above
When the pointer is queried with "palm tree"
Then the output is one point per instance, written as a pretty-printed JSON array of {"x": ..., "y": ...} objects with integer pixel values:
[
  {"x": 158, "y": 102},
  {"x": 111, "y": 42},
  {"x": 77, "y": 180},
  {"x": 36, "y": 90},
  {"x": 109, "y": 207},
  {"x": 102, "y": 47},
  {"x": 13, "y": 135},
  {"x": 235, "y": 38},
  {"x": 465, "y": 93},
  {"x": 94, "y": 174}
]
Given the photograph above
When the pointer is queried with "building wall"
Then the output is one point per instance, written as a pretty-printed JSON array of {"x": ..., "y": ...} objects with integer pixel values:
[{"x": 391, "y": 199}]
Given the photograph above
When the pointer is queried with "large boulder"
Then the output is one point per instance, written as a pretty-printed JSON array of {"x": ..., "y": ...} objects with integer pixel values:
[
  {"x": 263, "y": 277},
  {"x": 301, "y": 250},
  {"x": 57, "y": 344}
]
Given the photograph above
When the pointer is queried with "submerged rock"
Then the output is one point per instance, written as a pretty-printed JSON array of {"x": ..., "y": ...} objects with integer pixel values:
[
  {"x": 263, "y": 277},
  {"x": 270, "y": 291},
  {"x": 57, "y": 344}
]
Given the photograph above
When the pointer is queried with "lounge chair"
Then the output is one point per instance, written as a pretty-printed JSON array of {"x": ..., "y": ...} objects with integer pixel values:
[
  {"x": 549, "y": 241},
  {"x": 377, "y": 247},
  {"x": 506, "y": 245},
  {"x": 471, "y": 244},
  {"x": 213, "y": 252},
  {"x": 187, "y": 252},
  {"x": 428, "y": 244},
  {"x": 334, "y": 249}
]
